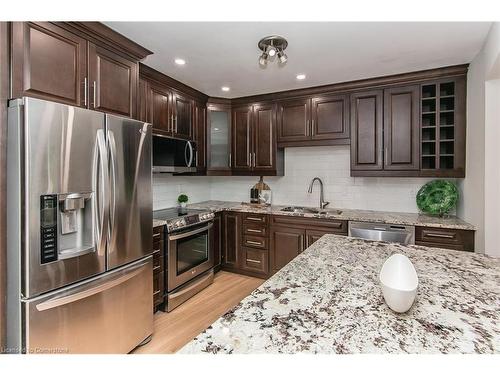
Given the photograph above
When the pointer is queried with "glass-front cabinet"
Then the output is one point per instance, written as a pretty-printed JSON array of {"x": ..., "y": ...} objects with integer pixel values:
[{"x": 219, "y": 138}]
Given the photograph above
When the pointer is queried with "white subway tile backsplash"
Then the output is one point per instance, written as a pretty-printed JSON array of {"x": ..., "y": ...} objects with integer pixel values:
[{"x": 330, "y": 163}]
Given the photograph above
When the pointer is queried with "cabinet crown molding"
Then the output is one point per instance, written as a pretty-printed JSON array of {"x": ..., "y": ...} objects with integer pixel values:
[{"x": 108, "y": 37}]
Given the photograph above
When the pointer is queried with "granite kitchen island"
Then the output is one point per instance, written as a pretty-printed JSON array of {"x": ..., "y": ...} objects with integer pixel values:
[{"x": 328, "y": 300}]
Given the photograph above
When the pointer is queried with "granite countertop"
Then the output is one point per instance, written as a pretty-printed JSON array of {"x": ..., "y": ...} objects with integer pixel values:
[
  {"x": 328, "y": 300},
  {"x": 401, "y": 218}
]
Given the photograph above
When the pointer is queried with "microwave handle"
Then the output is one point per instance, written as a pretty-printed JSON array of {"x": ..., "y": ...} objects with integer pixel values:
[{"x": 189, "y": 160}]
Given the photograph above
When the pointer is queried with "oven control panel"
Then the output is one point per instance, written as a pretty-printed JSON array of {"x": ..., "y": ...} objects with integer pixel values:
[{"x": 189, "y": 220}]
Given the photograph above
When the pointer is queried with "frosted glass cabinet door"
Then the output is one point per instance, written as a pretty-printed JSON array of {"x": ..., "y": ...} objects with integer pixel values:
[{"x": 220, "y": 145}]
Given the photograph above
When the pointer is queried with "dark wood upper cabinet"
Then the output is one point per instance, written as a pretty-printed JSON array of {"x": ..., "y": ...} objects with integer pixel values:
[
  {"x": 254, "y": 150},
  {"x": 367, "y": 130},
  {"x": 113, "y": 82},
  {"x": 401, "y": 128},
  {"x": 48, "y": 62},
  {"x": 264, "y": 139},
  {"x": 330, "y": 117},
  {"x": 160, "y": 108},
  {"x": 200, "y": 134},
  {"x": 242, "y": 144},
  {"x": 182, "y": 116},
  {"x": 294, "y": 120}
]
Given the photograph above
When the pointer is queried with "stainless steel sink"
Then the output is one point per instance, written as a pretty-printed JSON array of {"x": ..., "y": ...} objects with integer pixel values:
[{"x": 309, "y": 210}]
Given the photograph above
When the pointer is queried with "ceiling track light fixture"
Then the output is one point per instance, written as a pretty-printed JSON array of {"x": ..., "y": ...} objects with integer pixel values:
[{"x": 272, "y": 46}]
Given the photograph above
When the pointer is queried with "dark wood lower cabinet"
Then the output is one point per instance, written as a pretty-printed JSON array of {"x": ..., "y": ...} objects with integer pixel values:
[
  {"x": 231, "y": 239},
  {"x": 454, "y": 239},
  {"x": 158, "y": 266},
  {"x": 260, "y": 245},
  {"x": 286, "y": 244},
  {"x": 217, "y": 241},
  {"x": 292, "y": 235}
]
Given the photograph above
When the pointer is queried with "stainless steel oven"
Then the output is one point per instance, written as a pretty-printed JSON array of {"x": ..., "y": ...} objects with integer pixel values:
[{"x": 190, "y": 262}]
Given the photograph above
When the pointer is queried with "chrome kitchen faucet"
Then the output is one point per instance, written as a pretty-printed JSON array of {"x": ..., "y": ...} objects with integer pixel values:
[{"x": 322, "y": 203}]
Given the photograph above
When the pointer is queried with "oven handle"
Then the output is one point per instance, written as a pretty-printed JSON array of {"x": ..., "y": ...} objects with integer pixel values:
[{"x": 190, "y": 233}]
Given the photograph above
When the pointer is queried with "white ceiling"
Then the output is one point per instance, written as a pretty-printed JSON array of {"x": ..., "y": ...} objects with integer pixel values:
[{"x": 226, "y": 54}]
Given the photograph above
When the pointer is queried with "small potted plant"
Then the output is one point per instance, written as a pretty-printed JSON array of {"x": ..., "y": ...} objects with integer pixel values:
[{"x": 182, "y": 199}]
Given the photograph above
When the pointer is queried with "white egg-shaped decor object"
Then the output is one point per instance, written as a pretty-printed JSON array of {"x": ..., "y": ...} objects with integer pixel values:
[{"x": 399, "y": 281}]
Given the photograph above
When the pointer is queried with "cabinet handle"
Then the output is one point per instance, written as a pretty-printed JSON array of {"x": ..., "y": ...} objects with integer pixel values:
[
  {"x": 94, "y": 92},
  {"x": 254, "y": 160},
  {"x": 385, "y": 156},
  {"x": 254, "y": 218},
  {"x": 229, "y": 160},
  {"x": 253, "y": 261},
  {"x": 196, "y": 156},
  {"x": 253, "y": 242},
  {"x": 254, "y": 230},
  {"x": 85, "y": 92},
  {"x": 440, "y": 235}
]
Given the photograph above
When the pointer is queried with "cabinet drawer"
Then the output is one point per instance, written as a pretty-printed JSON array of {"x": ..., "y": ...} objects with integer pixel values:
[
  {"x": 256, "y": 242},
  {"x": 455, "y": 239},
  {"x": 157, "y": 246},
  {"x": 331, "y": 225},
  {"x": 158, "y": 280},
  {"x": 255, "y": 260},
  {"x": 157, "y": 262},
  {"x": 254, "y": 218},
  {"x": 255, "y": 230},
  {"x": 158, "y": 233}
]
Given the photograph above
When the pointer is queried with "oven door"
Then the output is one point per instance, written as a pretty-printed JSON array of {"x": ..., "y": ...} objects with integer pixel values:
[{"x": 190, "y": 253}]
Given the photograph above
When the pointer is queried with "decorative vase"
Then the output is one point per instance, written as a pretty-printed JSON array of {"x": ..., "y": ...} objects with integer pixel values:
[{"x": 399, "y": 282}]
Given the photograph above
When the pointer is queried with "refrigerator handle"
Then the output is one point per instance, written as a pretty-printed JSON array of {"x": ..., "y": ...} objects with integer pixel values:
[
  {"x": 102, "y": 190},
  {"x": 112, "y": 200},
  {"x": 88, "y": 292}
]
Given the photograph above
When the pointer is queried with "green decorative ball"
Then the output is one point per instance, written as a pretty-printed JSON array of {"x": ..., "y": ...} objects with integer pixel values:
[{"x": 437, "y": 197}]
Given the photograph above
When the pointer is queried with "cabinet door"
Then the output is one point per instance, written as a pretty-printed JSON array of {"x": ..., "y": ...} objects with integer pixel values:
[
  {"x": 183, "y": 122},
  {"x": 143, "y": 100},
  {"x": 264, "y": 148},
  {"x": 366, "y": 130},
  {"x": 402, "y": 128},
  {"x": 160, "y": 109},
  {"x": 113, "y": 82},
  {"x": 219, "y": 139},
  {"x": 312, "y": 235},
  {"x": 330, "y": 117},
  {"x": 200, "y": 134},
  {"x": 48, "y": 63},
  {"x": 294, "y": 120},
  {"x": 232, "y": 236},
  {"x": 242, "y": 139},
  {"x": 217, "y": 240},
  {"x": 286, "y": 244}
]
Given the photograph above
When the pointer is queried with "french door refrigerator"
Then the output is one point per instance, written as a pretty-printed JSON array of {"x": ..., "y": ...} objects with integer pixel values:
[{"x": 79, "y": 230}]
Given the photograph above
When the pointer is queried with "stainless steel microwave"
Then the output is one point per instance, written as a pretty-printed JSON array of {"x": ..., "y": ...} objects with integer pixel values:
[{"x": 173, "y": 155}]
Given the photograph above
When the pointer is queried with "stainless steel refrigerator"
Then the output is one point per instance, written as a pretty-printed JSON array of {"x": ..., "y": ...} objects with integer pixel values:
[{"x": 79, "y": 230}]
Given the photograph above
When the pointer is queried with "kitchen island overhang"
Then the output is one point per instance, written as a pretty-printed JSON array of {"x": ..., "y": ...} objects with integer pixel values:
[{"x": 328, "y": 300}]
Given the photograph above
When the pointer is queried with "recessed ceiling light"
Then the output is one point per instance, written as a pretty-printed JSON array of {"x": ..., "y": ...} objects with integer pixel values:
[
  {"x": 301, "y": 76},
  {"x": 180, "y": 61},
  {"x": 225, "y": 88}
]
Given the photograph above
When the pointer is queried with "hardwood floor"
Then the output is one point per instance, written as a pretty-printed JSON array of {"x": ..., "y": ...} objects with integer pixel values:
[{"x": 175, "y": 329}]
